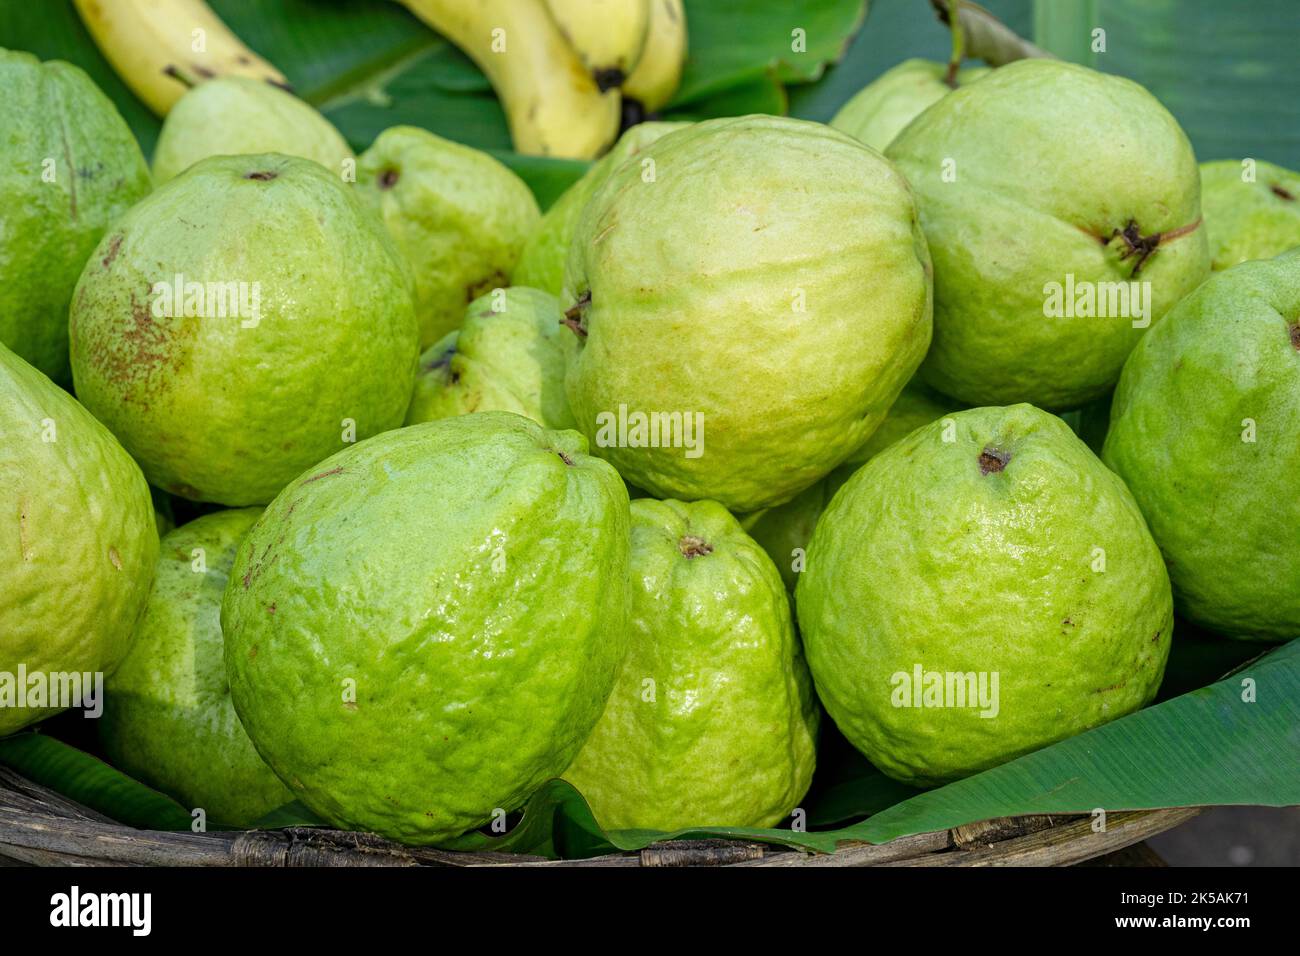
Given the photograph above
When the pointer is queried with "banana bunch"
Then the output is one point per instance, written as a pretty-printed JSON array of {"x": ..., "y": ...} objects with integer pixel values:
[
  {"x": 562, "y": 67},
  {"x": 161, "y": 48}
]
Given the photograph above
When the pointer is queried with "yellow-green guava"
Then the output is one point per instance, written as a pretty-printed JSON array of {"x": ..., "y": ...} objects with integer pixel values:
[
  {"x": 237, "y": 115},
  {"x": 78, "y": 545},
  {"x": 248, "y": 319},
  {"x": 742, "y": 333},
  {"x": 459, "y": 217},
  {"x": 1062, "y": 211},
  {"x": 1204, "y": 430},
  {"x": 713, "y": 720},
  {"x": 423, "y": 629},
  {"x": 784, "y": 531},
  {"x": 878, "y": 112},
  {"x": 68, "y": 167},
  {"x": 508, "y": 355},
  {"x": 1255, "y": 218},
  {"x": 541, "y": 263},
  {"x": 168, "y": 719},
  {"x": 981, "y": 588}
]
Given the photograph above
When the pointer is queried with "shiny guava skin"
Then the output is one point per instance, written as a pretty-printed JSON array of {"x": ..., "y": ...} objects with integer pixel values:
[
  {"x": 423, "y": 629},
  {"x": 713, "y": 720},
  {"x": 1249, "y": 220},
  {"x": 458, "y": 215},
  {"x": 1204, "y": 429},
  {"x": 78, "y": 544},
  {"x": 784, "y": 531},
  {"x": 541, "y": 263},
  {"x": 235, "y": 115},
  {"x": 1052, "y": 162},
  {"x": 878, "y": 112},
  {"x": 788, "y": 317},
  {"x": 217, "y": 411},
  {"x": 55, "y": 115},
  {"x": 508, "y": 355},
  {"x": 989, "y": 542},
  {"x": 168, "y": 720}
]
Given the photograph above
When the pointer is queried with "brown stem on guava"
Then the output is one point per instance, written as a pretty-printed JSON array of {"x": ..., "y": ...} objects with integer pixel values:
[
  {"x": 388, "y": 178},
  {"x": 985, "y": 37},
  {"x": 693, "y": 547},
  {"x": 574, "y": 315},
  {"x": 1282, "y": 193},
  {"x": 993, "y": 460}
]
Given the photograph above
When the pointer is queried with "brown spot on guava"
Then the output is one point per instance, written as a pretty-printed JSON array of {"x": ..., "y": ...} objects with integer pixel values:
[
  {"x": 574, "y": 315},
  {"x": 270, "y": 608},
  {"x": 261, "y": 175},
  {"x": 323, "y": 474},
  {"x": 350, "y": 704},
  {"x": 1295, "y": 337},
  {"x": 992, "y": 460},
  {"x": 692, "y": 547},
  {"x": 114, "y": 245},
  {"x": 115, "y": 558},
  {"x": 1281, "y": 192},
  {"x": 252, "y": 653},
  {"x": 388, "y": 178},
  {"x": 497, "y": 280},
  {"x": 565, "y": 458}
]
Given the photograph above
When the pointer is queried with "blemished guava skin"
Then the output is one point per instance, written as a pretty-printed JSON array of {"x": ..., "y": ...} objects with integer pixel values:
[
  {"x": 423, "y": 629},
  {"x": 1028, "y": 177},
  {"x": 713, "y": 720},
  {"x": 508, "y": 355},
  {"x": 991, "y": 542},
  {"x": 788, "y": 318},
  {"x": 78, "y": 542},
  {"x": 231, "y": 408},
  {"x": 237, "y": 115},
  {"x": 541, "y": 263},
  {"x": 68, "y": 167},
  {"x": 168, "y": 720},
  {"x": 784, "y": 531},
  {"x": 878, "y": 112},
  {"x": 1204, "y": 429},
  {"x": 458, "y": 215},
  {"x": 1244, "y": 220}
]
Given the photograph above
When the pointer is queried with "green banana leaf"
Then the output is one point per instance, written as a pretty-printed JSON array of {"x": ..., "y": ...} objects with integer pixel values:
[{"x": 1236, "y": 741}]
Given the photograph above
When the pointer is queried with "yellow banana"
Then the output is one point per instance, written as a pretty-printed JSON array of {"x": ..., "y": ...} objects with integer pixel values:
[
  {"x": 659, "y": 71},
  {"x": 552, "y": 103},
  {"x": 161, "y": 48},
  {"x": 608, "y": 35}
]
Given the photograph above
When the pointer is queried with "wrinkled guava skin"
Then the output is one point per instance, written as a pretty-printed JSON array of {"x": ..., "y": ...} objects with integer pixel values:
[
  {"x": 788, "y": 317},
  {"x": 68, "y": 167},
  {"x": 237, "y": 115},
  {"x": 728, "y": 737},
  {"x": 1052, "y": 162},
  {"x": 459, "y": 217},
  {"x": 168, "y": 720},
  {"x": 1249, "y": 220},
  {"x": 1008, "y": 549},
  {"x": 878, "y": 112},
  {"x": 78, "y": 543},
  {"x": 1205, "y": 429},
  {"x": 784, "y": 531},
  {"x": 541, "y": 264},
  {"x": 413, "y": 670},
  {"x": 508, "y": 355},
  {"x": 231, "y": 408}
]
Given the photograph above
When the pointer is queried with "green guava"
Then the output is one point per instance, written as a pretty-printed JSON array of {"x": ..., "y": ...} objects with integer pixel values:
[
  {"x": 784, "y": 531},
  {"x": 237, "y": 115},
  {"x": 878, "y": 112},
  {"x": 713, "y": 720},
  {"x": 1204, "y": 429},
  {"x": 459, "y": 217},
  {"x": 1046, "y": 191},
  {"x": 68, "y": 167},
  {"x": 982, "y": 588},
  {"x": 1255, "y": 219},
  {"x": 740, "y": 332},
  {"x": 79, "y": 544},
  {"x": 168, "y": 720},
  {"x": 245, "y": 321},
  {"x": 419, "y": 670},
  {"x": 541, "y": 263},
  {"x": 508, "y": 355}
]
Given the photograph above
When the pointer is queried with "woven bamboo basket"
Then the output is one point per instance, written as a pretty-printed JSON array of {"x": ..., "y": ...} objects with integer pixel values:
[{"x": 38, "y": 826}]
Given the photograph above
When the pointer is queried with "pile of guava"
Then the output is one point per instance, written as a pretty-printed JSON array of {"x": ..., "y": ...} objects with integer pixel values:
[{"x": 362, "y": 481}]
